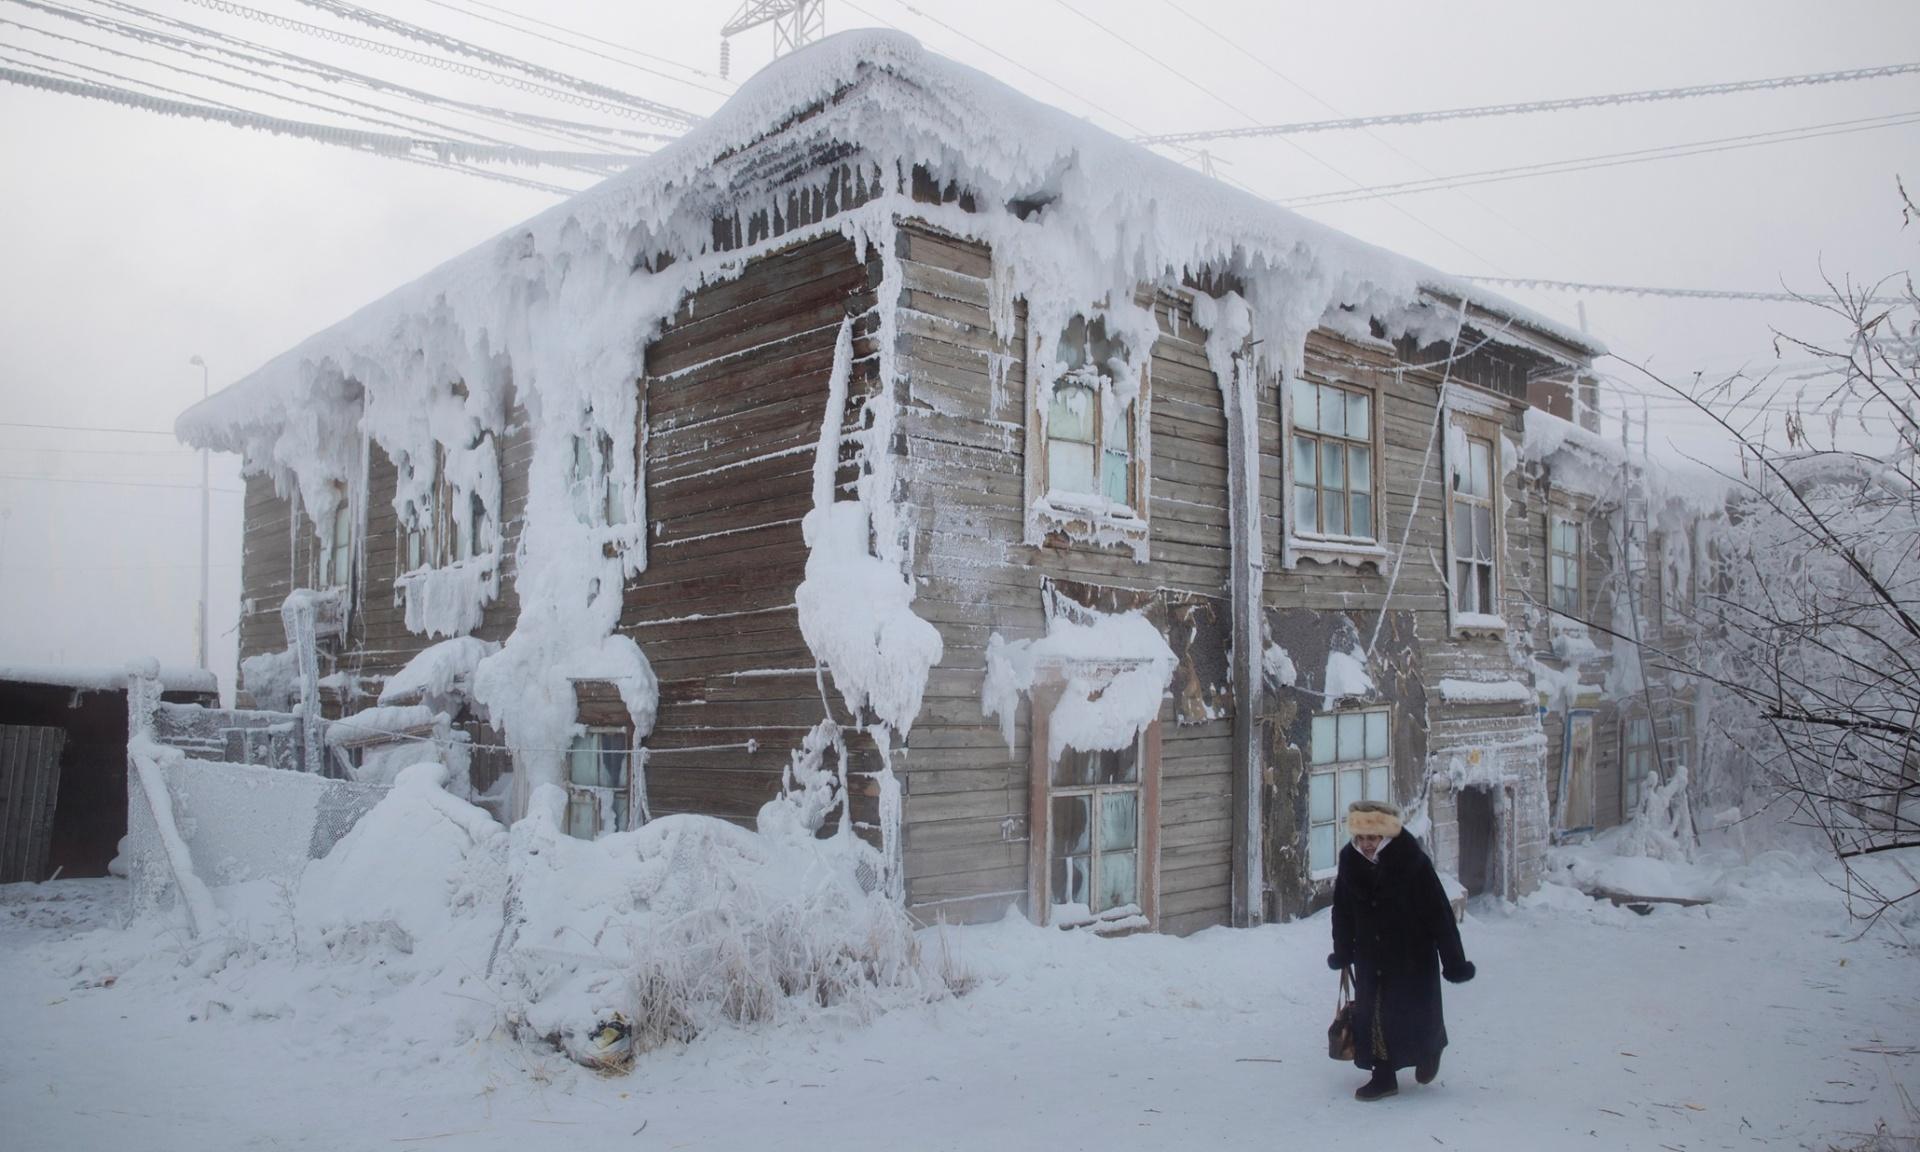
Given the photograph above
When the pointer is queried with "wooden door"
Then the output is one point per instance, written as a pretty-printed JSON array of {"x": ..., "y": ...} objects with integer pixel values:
[
  {"x": 1576, "y": 773},
  {"x": 29, "y": 788}
]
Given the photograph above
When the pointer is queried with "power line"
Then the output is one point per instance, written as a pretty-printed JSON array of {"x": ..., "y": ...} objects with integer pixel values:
[
  {"x": 1647, "y": 96},
  {"x": 201, "y": 42},
  {"x": 85, "y": 428},
  {"x": 116, "y": 483},
  {"x": 1292, "y": 144},
  {"x": 1676, "y": 293},
  {"x": 457, "y": 67},
  {"x": 438, "y": 153},
  {"x": 1609, "y": 159},
  {"x": 577, "y": 48},
  {"x": 455, "y": 46}
]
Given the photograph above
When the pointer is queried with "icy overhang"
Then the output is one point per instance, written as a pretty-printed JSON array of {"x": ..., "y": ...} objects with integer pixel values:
[
  {"x": 1130, "y": 209},
  {"x": 106, "y": 678}
]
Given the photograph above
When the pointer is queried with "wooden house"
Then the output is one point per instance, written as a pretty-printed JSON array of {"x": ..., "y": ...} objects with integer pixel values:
[{"x": 1065, "y": 381}]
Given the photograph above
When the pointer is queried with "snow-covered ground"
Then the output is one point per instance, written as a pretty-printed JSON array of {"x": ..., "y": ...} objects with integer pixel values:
[{"x": 1757, "y": 1021}]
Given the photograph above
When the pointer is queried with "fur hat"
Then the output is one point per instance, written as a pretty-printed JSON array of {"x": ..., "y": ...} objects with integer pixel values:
[{"x": 1372, "y": 818}]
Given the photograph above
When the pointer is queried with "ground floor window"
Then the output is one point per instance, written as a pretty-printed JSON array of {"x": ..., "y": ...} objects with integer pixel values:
[
  {"x": 1093, "y": 833},
  {"x": 600, "y": 783},
  {"x": 1636, "y": 764},
  {"x": 1348, "y": 760}
]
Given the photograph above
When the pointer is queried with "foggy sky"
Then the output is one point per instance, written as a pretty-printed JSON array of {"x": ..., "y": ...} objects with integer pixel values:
[{"x": 132, "y": 242}]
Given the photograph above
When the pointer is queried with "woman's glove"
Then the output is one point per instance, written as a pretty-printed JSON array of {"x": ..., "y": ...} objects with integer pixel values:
[
  {"x": 1460, "y": 973},
  {"x": 1336, "y": 961}
]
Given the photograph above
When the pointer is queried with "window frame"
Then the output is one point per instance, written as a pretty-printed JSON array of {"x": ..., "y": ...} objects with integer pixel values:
[
  {"x": 1488, "y": 616},
  {"x": 1633, "y": 784},
  {"x": 1366, "y": 764},
  {"x": 1573, "y": 560},
  {"x": 1063, "y": 516},
  {"x": 333, "y": 561},
  {"x": 630, "y": 814},
  {"x": 1300, "y": 539},
  {"x": 1041, "y": 792}
]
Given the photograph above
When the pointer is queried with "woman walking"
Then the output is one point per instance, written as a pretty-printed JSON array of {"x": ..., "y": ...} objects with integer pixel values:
[{"x": 1393, "y": 923}]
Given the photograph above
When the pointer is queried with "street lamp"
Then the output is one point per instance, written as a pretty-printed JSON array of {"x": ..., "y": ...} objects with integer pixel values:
[{"x": 200, "y": 624}]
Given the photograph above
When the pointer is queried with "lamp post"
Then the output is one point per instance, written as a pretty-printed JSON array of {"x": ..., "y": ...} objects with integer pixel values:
[{"x": 200, "y": 623}]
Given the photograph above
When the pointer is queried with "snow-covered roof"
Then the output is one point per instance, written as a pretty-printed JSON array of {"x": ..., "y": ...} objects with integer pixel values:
[
  {"x": 105, "y": 677},
  {"x": 1141, "y": 213}
]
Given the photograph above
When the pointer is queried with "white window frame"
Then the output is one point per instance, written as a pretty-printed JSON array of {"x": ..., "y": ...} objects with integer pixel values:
[
  {"x": 1561, "y": 560},
  {"x": 595, "y": 800},
  {"x": 1472, "y": 614},
  {"x": 1297, "y": 431},
  {"x": 1636, "y": 761},
  {"x": 1371, "y": 766},
  {"x": 335, "y": 558},
  {"x": 1088, "y": 517}
]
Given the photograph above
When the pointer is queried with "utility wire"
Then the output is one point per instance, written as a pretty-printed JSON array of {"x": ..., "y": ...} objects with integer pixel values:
[
  {"x": 577, "y": 48},
  {"x": 197, "y": 39},
  {"x": 1292, "y": 144},
  {"x": 1676, "y": 293},
  {"x": 457, "y": 67},
  {"x": 117, "y": 483},
  {"x": 1647, "y": 96},
  {"x": 596, "y": 167},
  {"x": 450, "y": 154},
  {"x": 1609, "y": 159},
  {"x": 85, "y": 428},
  {"x": 457, "y": 47},
  {"x": 593, "y": 39}
]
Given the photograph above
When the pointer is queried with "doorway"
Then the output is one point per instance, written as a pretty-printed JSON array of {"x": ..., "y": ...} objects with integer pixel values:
[{"x": 1478, "y": 836}]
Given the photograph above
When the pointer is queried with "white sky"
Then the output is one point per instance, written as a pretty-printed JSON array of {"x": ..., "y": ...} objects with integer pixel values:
[{"x": 134, "y": 241}]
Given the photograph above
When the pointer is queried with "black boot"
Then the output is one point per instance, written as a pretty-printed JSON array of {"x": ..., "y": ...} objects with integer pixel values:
[
  {"x": 1426, "y": 1070},
  {"x": 1383, "y": 1085}
]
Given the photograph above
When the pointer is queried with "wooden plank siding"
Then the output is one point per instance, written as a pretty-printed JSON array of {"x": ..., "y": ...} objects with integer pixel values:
[
  {"x": 963, "y": 436},
  {"x": 736, "y": 391}
]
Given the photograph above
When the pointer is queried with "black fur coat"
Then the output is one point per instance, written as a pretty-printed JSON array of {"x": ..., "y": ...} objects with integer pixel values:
[{"x": 1392, "y": 921}]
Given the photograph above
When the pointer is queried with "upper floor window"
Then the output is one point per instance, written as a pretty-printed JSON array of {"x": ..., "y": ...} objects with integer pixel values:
[
  {"x": 1473, "y": 498},
  {"x": 336, "y": 541},
  {"x": 597, "y": 497},
  {"x": 1348, "y": 760},
  {"x": 451, "y": 527},
  {"x": 1333, "y": 462},
  {"x": 1563, "y": 565},
  {"x": 1091, "y": 448},
  {"x": 1636, "y": 764}
]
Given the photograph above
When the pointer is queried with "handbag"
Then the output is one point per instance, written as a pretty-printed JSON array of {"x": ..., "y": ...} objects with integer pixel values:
[{"x": 1340, "y": 1032}]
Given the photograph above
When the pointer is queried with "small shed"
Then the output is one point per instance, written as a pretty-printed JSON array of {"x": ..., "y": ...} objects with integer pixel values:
[{"x": 63, "y": 765}]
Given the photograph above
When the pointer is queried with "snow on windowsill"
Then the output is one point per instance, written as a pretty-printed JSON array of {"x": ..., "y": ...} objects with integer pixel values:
[
  {"x": 1336, "y": 550},
  {"x": 1485, "y": 692},
  {"x": 1089, "y": 521},
  {"x": 452, "y": 599},
  {"x": 1470, "y": 622}
]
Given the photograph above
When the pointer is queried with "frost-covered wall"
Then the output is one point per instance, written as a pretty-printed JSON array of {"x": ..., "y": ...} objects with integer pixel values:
[{"x": 743, "y": 323}]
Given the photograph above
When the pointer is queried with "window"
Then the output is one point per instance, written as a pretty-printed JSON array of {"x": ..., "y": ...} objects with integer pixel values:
[
  {"x": 1092, "y": 450},
  {"x": 1348, "y": 761},
  {"x": 453, "y": 524},
  {"x": 1093, "y": 834},
  {"x": 1332, "y": 461},
  {"x": 1636, "y": 764},
  {"x": 1475, "y": 585},
  {"x": 599, "y": 783},
  {"x": 336, "y": 541},
  {"x": 597, "y": 497},
  {"x": 1563, "y": 565}
]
